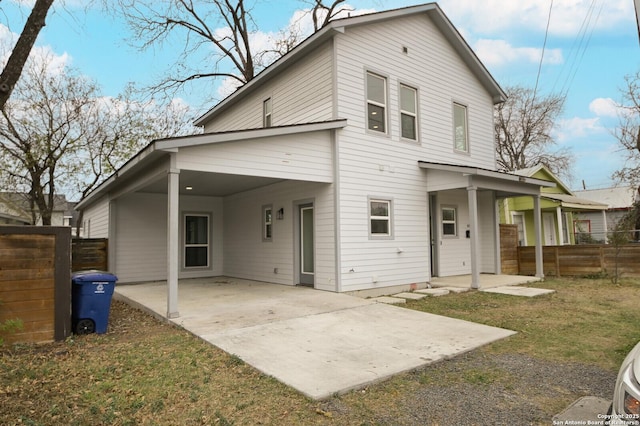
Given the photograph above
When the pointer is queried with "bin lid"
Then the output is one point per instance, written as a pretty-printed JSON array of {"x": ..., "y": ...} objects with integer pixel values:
[{"x": 93, "y": 275}]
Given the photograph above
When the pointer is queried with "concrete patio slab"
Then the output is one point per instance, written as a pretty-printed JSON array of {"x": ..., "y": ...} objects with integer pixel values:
[
  {"x": 434, "y": 291},
  {"x": 389, "y": 300},
  {"x": 410, "y": 296},
  {"x": 320, "y": 343},
  {"x": 486, "y": 280},
  {"x": 519, "y": 291}
]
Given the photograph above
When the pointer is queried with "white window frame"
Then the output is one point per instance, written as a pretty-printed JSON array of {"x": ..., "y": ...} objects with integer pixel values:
[
  {"x": 464, "y": 108},
  {"x": 388, "y": 218},
  {"x": 186, "y": 245},
  {"x": 413, "y": 115},
  {"x": 267, "y": 112},
  {"x": 524, "y": 226},
  {"x": 267, "y": 223},
  {"x": 444, "y": 221},
  {"x": 376, "y": 103}
]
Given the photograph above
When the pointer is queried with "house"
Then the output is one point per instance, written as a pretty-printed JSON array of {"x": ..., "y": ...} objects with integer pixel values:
[
  {"x": 561, "y": 210},
  {"x": 15, "y": 209},
  {"x": 619, "y": 201},
  {"x": 362, "y": 160}
]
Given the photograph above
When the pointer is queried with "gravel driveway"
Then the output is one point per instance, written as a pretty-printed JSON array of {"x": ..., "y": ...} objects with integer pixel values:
[{"x": 521, "y": 391}]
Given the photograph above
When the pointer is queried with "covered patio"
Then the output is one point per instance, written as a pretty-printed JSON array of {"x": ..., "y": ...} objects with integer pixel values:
[{"x": 317, "y": 342}]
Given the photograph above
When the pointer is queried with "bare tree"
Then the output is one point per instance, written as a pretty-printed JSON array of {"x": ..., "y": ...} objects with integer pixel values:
[
  {"x": 37, "y": 131},
  {"x": 523, "y": 127},
  {"x": 58, "y": 135},
  {"x": 20, "y": 53},
  {"x": 628, "y": 131},
  {"x": 220, "y": 33}
]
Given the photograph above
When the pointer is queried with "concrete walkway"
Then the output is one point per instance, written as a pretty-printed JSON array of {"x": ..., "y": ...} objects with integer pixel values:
[{"x": 320, "y": 343}]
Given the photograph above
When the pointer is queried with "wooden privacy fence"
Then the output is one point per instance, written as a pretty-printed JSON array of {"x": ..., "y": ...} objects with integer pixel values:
[
  {"x": 90, "y": 253},
  {"x": 509, "y": 249},
  {"x": 579, "y": 260},
  {"x": 35, "y": 282}
]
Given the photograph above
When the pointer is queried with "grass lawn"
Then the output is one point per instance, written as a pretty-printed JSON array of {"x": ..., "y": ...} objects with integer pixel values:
[{"x": 144, "y": 371}]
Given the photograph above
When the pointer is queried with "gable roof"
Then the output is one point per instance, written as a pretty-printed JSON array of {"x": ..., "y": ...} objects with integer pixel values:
[
  {"x": 544, "y": 170},
  {"x": 432, "y": 10},
  {"x": 621, "y": 197}
]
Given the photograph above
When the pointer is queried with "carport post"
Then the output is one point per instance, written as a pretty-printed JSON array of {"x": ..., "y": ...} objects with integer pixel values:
[
  {"x": 472, "y": 195},
  {"x": 537, "y": 222},
  {"x": 173, "y": 226}
]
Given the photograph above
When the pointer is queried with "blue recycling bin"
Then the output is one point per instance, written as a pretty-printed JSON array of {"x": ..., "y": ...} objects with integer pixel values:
[{"x": 91, "y": 300}]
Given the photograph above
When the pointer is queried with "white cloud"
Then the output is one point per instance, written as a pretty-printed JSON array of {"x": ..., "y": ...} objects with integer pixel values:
[
  {"x": 39, "y": 54},
  {"x": 501, "y": 52},
  {"x": 604, "y": 107},
  {"x": 576, "y": 127},
  {"x": 567, "y": 16}
]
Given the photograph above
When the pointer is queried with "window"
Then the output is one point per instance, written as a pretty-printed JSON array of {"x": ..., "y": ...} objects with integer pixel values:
[
  {"x": 266, "y": 110},
  {"x": 196, "y": 241},
  {"x": 408, "y": 112},
  {"x": 380, "y": 218},
  {"x": 267, "y": 223},
  {"x": 376, "y": 103},
  {"x": 449, "y": 222},
  {"x": 460, "y": 127}
]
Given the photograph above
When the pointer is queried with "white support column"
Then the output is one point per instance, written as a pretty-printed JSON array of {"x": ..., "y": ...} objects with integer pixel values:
[
  {"x": 537, "y": 223},
  {"x": 605, "y": 227},
  {"x": 561, "y": 240},
  {"x": 472, "y": 194},
  {"x": 173, "y": 239},
  {"x": 496, "y": 226}
]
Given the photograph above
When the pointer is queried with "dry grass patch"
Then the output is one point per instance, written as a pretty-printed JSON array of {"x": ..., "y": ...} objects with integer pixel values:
[{"x": 146, "y": 372}]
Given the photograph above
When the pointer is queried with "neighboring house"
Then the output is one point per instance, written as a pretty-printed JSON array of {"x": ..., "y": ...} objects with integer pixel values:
[
  {"x": 619, "y": 201},
  {"x": 561, "y": 211},
  {"x": 363, "y": 159},
  {"x": 15, "y": 209}
]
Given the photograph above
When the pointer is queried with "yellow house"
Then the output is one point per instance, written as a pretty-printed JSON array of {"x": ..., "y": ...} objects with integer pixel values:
[{"x": 560, "y": 211}]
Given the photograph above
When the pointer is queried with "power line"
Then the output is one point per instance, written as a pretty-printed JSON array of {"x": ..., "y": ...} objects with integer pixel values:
[{"x": 544, "y": 45}]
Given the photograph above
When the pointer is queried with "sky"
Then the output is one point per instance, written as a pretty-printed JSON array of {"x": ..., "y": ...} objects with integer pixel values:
[{"x": 583, "y": 48}]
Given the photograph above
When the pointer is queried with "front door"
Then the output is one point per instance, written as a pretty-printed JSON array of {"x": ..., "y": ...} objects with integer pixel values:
[
  {"x": 307, "y": 266},
  {"x": 549, "y": 225}
]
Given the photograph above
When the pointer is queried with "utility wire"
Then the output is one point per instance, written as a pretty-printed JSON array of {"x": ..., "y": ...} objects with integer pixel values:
[{"x": 544, "y": 45}]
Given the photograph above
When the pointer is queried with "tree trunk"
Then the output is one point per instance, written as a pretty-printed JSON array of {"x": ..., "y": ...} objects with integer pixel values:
[{"x": 15, "y": 64}]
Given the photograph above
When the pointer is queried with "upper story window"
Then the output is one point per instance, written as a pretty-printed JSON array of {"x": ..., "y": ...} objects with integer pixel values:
[
  {"x": 460, "y": 133},
  {"x": 409, "y": 112},
  {"x": 376, "y": 103},
  {"x": 266, "y": 112}
]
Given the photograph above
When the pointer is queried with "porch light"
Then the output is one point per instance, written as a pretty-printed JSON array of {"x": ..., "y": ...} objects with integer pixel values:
[
  {"x": 280, "y": 214},
  {"x": 189, "y": 188}
]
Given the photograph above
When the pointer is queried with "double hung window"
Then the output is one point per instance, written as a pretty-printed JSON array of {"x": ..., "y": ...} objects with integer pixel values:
[
  {"x": 196, "y": 241},
  {"x": 409, "y": 112},
  {"x": 461, "y": 142},
  {"x": 376, "y": 103}
]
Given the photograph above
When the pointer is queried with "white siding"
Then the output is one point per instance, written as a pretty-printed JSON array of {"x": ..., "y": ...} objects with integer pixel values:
[
  {"x": 306, "y": 156},
  {"x": 301, "y": 94},
  {"x": 487, "y": 235},
  {"x": 96, "y": 219},
  {"x": 455, "y": 252},
  {"x": 378, "y": 165},
  {"x": 141, "y": 236},
  {"x": 248, "y": 256},
  {"x": 431, "y": 66}
]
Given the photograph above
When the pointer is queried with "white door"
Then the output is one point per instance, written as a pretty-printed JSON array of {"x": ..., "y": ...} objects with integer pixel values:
[{"x": 549, "y": 229}]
